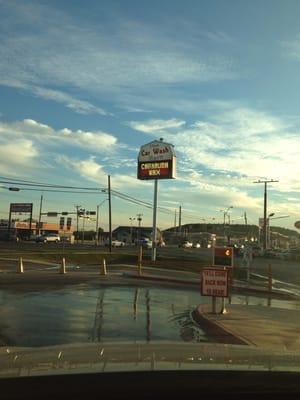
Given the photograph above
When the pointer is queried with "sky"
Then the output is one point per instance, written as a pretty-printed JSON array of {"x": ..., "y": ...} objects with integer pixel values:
[{"x": 84, "y": 84}]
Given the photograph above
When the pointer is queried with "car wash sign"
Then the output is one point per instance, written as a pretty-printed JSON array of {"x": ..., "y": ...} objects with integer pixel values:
[{"x": 156, "y": 160}]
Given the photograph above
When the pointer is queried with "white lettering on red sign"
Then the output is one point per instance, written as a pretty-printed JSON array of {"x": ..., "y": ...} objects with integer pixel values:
[{"x": 214, "y": 282}]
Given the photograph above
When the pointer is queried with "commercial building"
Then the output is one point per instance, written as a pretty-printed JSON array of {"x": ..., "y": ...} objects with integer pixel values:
[{"x": 21, "y": 229}]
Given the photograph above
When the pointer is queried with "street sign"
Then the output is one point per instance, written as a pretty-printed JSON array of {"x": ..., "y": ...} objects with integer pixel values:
[
  {"x": 21, "y": 207},
  {"x": 214, "y": 282},
  {"x": 223, "y": 256},
  {"x": 91, "y": 212},
  {"x": 52, "y": 214},
  {"x": 64, "y": 213},
  {"x": 297, "y": 224}
]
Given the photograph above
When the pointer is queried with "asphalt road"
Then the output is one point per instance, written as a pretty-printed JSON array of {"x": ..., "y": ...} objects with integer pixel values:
[{"x": 283, "y": 270}]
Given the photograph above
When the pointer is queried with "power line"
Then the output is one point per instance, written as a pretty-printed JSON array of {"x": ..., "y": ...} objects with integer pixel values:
[{"x": 40, "y": 184}]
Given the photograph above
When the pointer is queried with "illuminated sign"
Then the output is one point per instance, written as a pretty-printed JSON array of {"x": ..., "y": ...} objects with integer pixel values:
[
  {"x": 157, "y": 160},
  {"x": 214, "y": 282},
  {"x": 223, "y": 256},
  {"x": 160, "y": 170},
  {"x": 21, "y": 207}
]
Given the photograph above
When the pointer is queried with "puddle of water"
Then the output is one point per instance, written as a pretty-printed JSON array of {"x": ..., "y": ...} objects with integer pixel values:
[{"x": 80, "y": 314}]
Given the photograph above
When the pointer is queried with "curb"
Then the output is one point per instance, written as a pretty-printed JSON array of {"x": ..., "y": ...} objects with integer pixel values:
[{"x": 216, "y": 331}]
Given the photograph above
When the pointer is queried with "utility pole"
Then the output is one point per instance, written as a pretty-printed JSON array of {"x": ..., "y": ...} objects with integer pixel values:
[
  {"x": 245, "y": 218},
  {"x": 77, "y": 222},
  {"x": 246, "y": 224},
  {"x": 139, "y": 218},
  {"x": 179, "y": 220},
  {"x": 265, "y": 231},
  {"x": 40, "y": 215},
  {"x": 97, "y": 226},
  {"x": 175, "y": 219},
  {"x": 109, "y": 214},
  {"x": 154, "y": 230}
]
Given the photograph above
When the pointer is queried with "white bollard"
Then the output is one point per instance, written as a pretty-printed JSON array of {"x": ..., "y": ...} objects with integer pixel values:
[
  {"x": 63, "y": 266},
  {"x": 20, "y": 268},
  {"x": 103, "y": 267}
]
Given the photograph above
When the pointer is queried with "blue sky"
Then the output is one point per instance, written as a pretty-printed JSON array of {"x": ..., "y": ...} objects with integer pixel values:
[{"x": 84, "y": 85}]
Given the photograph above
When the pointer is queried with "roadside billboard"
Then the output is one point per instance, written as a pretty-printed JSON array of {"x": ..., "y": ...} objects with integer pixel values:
[
  {"x": 156, "y": 160},
  {"x": 214, "y": 282},
  {"x": 21, "y": 207}
]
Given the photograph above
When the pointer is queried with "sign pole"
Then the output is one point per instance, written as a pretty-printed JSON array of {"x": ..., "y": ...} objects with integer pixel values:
[
  {"x": 214, "y": 310},
  {"x": 154, "y": 230}
]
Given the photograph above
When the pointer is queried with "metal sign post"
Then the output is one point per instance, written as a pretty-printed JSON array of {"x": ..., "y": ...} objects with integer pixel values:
[{"x": 154, "y": 230}]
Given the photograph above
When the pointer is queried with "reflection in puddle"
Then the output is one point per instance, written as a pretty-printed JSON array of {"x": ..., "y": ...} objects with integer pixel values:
[{"x": 77, "y": 315}]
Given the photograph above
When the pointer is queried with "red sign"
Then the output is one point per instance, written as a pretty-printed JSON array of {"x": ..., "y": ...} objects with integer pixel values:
[
  {"x": 214, "y": 282},
  {"x": 155, "y": 170},
  {"x": 223, "y": 256}
]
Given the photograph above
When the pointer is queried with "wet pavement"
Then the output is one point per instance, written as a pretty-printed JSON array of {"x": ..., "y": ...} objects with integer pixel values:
[
  {"x": 80, "y": 314},
  {"x": 87, "y": 314}
]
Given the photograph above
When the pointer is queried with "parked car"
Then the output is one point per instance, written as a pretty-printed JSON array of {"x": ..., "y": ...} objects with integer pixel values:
[
  {"x": 117, "y": 243},
  {"x": 48, "y": 238},
  {"x": 186, "y": 244},
  {"x": 196, "y": 245},
  {"x": 114, "y": 243}
]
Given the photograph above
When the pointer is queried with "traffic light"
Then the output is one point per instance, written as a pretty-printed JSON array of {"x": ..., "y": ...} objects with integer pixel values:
[
  {"x": 223, "y": 256},
  {"x": 69, "y": 223},
  {"x": 61, "y": 223}
]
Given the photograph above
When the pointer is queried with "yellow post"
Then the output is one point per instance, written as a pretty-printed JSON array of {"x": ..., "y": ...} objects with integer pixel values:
[
  {"x": 103, "y": 267},
  {"x": 63, "y": 266},
  {"x": 140, "y": 259},
  {"x": 20, "y": 268}
]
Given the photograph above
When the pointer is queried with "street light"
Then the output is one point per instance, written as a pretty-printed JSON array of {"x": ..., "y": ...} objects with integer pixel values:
[
  {"x": 131, "y": 219},
  {"x": 97, "y": 221},
  {"x": 226, "y": 213},
  {"x": 265, "y": 182}
]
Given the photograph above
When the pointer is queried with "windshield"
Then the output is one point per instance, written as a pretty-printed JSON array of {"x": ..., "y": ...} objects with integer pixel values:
[{"x": 150, "y": 207}]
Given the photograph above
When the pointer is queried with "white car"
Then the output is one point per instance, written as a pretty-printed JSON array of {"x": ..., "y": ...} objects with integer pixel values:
[
  {"x": 197, "y": 245},
  {"x": 50, "y": 237},
  {"x": 117, "y": 243},
  {"x": 186, "y": 244}
]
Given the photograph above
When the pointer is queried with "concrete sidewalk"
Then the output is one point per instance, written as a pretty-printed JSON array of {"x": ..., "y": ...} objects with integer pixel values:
[{"x": 264, "y": 327}]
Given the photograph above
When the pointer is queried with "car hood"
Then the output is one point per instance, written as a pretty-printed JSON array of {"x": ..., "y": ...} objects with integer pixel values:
[{"x": 109, "y": 357}]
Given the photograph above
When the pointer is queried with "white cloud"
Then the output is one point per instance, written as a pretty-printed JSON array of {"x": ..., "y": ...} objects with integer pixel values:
[
  {"x": 156, "y": 125},
  {"x": 17, "y": 155},
  {"x": 241, "y": 142},
  {"x": 79, "y": 106},
  {"x": 90, "y": 169},
  {"x": 292, "y": 47},
  {"x": 120, "y": 58},
  {"x": 30, "y": 129}
]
